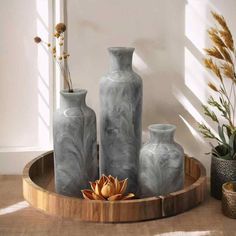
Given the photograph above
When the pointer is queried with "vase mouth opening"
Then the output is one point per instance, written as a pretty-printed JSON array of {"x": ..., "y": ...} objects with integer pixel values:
[
  {"x": 231, "y": 161},
  {"x": 121, "y": 49},
  {"x": 162, "y": 128},
  {"x": 230, "y": 187},
  {"x": 75, "y": 92}
]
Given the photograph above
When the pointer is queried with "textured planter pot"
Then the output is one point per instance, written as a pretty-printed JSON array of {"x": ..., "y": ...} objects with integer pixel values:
[
  {"x": 75, "y": 151},
  {"x": 229, "y": 199},
  {"x": 222, "y": 171},
  {"x": 161, "y": 163},
  {"x": 120, "y": 118}
]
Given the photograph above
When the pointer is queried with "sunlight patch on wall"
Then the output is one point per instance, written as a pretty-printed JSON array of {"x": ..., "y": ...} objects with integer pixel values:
[
  {"x": 59, "y": 16},
  {"x": 195, "y": 133},
  {"x": 192, "y": 110},
  {"x": 43, "y": 13},
  {"x": 139, "y": 64},
  {"x": 195, "y": 76},
  {"x": 43, "y": 74},
  {"x": 188, "y": 106},
  {"x": 195, "y": 22}
]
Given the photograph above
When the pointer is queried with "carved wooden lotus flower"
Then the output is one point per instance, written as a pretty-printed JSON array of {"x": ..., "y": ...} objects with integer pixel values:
[{"x": 107, "y": 188}]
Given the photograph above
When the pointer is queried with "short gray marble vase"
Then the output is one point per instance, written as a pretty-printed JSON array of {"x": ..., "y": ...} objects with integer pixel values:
[
  {"x": 120, "y": 118},
  {"x": 161, "y": 163},
  {"x": 75, "y": 140}
]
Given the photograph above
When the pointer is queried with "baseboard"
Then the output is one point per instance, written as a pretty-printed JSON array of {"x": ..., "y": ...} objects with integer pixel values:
[{"x": 13, "y": 161}]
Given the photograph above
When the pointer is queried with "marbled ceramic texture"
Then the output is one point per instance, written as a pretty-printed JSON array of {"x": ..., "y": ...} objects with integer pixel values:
[
  {"x": 75, "y": 151},
  {"x": 120, "y": 118},
  {"x": 161, "y": 166}
]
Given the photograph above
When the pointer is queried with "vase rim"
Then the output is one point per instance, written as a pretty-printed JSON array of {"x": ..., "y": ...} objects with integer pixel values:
[
  {"x": 162, "y": 128},
  {"x": 124, "y": 49},
  {"x": 221, "y": 159},
  {"x": 75, "y": 91},
  {"x": 225, "y": 185}
]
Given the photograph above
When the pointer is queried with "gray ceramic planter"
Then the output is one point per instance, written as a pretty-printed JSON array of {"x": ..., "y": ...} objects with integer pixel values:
[
  {"x": 161, "y": 165},
  {"x": 120, "y": 118},
  {"x": 75, "y": 151},
  {"x": 222, "y": 171}
]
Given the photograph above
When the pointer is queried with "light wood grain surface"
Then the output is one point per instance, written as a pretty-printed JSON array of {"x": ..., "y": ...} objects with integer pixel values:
[
  {"x": 16, "y": 218},
  {"x": 38, "y": 190}
]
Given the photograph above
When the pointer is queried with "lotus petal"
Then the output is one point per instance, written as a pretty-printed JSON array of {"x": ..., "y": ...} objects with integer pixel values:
[
  {"x": 115, "y": 197},
  {"x": 93, "y": 185},
  {"x": 102, "y": 180},
  {"x": 97, "y": 189},
  {"x": 112, "y": 179},
  {"x": 87, "y": 194},
  {"x": 123, "y": 187},
  {"x": 129, "y": 196},
  {"x": 117, "y": 185},
  {"x": 97, "y": 197},
  {"x": 108, "y": 190}
]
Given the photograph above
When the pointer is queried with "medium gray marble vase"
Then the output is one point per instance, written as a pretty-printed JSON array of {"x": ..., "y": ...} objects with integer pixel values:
[
  {"x": 161, "y": 163},
  {"x": 75, "y": 151},
  {"x": 120, "y": 118}
]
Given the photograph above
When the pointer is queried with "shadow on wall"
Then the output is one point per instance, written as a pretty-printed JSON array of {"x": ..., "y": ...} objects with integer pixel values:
[
  {"x": 175, "y": 79},
  {"x": 172, "y": 81},
  {"x": 169, "y": 37}
]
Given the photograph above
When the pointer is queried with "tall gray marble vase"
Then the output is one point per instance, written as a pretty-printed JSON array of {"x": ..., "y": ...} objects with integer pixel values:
[
  {"x": 161, "y": 165},
  {"x": 75, "y": 151},
  {"x": 120, "y": 118}
]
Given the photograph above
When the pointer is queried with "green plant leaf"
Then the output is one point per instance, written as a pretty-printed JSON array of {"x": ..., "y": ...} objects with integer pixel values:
[
  {"x": 232, "y": 140},
  {"x": 232, "y": 144},
  {"x": 228, "y": 129},
  {"x": 222, "y": 151},
  {"x": 221, "y": 133}
]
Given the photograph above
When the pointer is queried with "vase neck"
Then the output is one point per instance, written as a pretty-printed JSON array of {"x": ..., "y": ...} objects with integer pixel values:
[
  {"x": 120, "y": 58},
  {"x": 75, "y": 99},
  {"x": 162, "y": 133}
]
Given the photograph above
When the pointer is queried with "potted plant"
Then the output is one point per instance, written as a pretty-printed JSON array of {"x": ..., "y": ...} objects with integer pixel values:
[
  {"x": 221, "y": 106},
  {"x": 74, "y": 129}
]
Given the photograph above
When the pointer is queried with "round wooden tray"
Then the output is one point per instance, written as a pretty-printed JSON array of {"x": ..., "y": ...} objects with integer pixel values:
[{"x": 38, "y": 190}]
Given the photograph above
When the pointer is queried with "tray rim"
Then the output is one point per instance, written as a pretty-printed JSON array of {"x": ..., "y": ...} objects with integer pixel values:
[{"x": 27, "y": 180}]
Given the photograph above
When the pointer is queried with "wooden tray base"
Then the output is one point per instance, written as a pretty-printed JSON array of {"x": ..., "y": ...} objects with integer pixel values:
[{"x": 39, "y": 191}]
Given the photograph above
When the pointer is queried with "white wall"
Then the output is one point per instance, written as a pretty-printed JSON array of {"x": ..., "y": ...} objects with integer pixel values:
[
  {"x": 169, "y": 37},
  {"x": 25, "y": 83}
]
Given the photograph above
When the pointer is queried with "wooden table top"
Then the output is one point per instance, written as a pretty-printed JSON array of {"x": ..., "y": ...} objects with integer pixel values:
[{"x": 18, "y": 218}]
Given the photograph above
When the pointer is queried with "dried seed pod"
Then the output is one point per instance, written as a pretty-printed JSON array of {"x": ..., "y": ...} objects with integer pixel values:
[
  {"x": 57, "y": 35},
  {"x": 37, "y": 39},
  {"x": 54, "y": 50},
  {"x": 60, "y": 28}
]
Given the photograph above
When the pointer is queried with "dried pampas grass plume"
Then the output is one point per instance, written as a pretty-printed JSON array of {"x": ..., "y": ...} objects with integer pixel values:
[
  {"x": 214, "y": 52},
  {"x": 225, "y": 33},
  {"x": 213, "y": 87},
  {"x": 213, "y": 67},
  {"x": 213, "y": 33},
  {"x": 228, "y": 71}
]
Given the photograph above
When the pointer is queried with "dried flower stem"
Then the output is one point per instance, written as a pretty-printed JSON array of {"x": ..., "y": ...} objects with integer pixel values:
[{"x": 61, "y": 60}]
